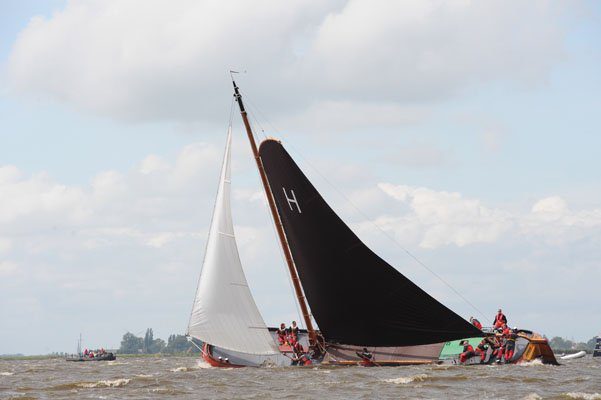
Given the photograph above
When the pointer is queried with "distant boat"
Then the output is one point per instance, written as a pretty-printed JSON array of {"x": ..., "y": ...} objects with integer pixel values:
[
  {"x": 357, "y": 299},
  {"x": 573, "y": 356},
  {"x": 102, "y": 357},
  {"x": 81, "y": 356},
  {"x": 597, "y": 351}
]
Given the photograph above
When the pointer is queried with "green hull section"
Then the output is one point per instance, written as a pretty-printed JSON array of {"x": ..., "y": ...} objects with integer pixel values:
[{"x": 453, "y": 349}]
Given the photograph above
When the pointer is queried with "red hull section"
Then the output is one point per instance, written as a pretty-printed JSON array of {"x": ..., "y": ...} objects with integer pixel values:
[{"x": 214, "y": 362}]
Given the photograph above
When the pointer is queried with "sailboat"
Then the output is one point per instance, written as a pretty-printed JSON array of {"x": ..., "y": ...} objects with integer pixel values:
[{"x": 361, "y": 304}]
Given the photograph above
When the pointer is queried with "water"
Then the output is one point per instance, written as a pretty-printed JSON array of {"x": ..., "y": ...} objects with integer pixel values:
[{"x": 188, "y": 378}]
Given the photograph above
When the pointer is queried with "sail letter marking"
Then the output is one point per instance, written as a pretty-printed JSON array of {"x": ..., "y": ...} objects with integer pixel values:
[{"x": 292, "y": 200}]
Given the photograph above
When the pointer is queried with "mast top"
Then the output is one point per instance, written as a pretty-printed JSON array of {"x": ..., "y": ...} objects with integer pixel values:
[{"x": 237, "y": 95}]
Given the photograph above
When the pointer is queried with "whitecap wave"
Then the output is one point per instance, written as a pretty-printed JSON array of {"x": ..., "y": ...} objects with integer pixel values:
[
  {"x": 407, "y": 379},
  {"x": 105, "y": 383},
  {"x": 584, "y": 396},
  {"x": 533, "y": 363},
  {"x": 532, "y": 396},
  {"x": 6, "y": 373},
  {"x": 202, "y": 364}
]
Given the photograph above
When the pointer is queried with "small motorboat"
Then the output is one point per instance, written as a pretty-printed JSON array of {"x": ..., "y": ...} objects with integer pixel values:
[{"x": 573, "y": 356}]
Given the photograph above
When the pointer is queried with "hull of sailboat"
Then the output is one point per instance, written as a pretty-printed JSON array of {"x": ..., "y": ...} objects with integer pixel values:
[
  {"x": 216, "y": 356},
  {"x": 529, "y": 347},
  {"x": 383, "y": 356},
  {"x": 217, "y": 361}
]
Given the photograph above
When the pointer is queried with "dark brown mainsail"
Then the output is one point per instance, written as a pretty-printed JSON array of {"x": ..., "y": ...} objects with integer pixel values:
[{"x": 356, "y": 298}]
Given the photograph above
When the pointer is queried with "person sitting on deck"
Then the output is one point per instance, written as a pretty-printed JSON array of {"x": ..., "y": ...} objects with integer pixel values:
[
  {"x": 282, "y": 334},
  {"x": 500, "y": 319},
  {"x": 365, "y": 355},
  {"x": 293, "y": 332},
  {"x": 476, "y": 323},
  {"x": 468, "y": 351},
  {"x": 499, "y": 347},
  {"x": 300, "y": 357},
  {"x": 510, "y": 338},
  {"x": 483, "y": 347}
]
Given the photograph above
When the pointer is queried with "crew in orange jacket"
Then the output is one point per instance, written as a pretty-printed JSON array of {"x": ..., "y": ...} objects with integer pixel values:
[{"x": 500, "y": 319}]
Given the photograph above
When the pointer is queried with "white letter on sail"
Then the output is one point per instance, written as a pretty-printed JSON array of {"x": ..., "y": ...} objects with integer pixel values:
[{"x": 292, "y": 200}]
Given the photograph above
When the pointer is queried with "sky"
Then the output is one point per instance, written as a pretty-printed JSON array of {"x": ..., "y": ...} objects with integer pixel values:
[{"x": 464, "y": 133}]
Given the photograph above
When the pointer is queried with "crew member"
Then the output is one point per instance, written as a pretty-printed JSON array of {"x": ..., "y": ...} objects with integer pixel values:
[
  {"x": 499, "y": 347},
  {"x": 500, "y": 319},
  {"x": 282, "y": 334},
  {"x": 483, "y": 346},
  {"x": 468, "y": 351},
  {"x": 293, "y": 332},
  {"x": 300, "y": 357},
  {"x": 476, "y": 323},
  {"x": 367, "y": 359},
  {"x": 365, "y": 354},
  {"x": 510, "y": 339}
]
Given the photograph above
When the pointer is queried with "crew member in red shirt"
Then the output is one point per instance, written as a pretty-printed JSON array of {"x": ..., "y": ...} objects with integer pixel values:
[
  {"x": 476, "y": 323},
  {"x": 468, "y": 351},
  {"x": 500, "y": 319}
]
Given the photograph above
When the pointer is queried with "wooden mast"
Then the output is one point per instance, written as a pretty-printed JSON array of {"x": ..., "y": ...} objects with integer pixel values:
[{"x": 278, "y": 223}]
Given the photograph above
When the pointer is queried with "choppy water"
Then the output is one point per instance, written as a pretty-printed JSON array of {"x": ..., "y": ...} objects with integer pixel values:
[{"x": 187, "y": 378}]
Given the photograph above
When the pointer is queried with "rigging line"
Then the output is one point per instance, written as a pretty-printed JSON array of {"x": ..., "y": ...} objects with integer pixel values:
[
  {"x": 274, "y": 232},
  {"x": 391, "y": 238},
  {"x": 252, "y": 108},
  {"x": 251, "y": 112}
]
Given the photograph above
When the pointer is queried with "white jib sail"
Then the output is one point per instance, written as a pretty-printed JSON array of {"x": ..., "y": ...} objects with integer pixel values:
[{"x": 224, "y": 313}]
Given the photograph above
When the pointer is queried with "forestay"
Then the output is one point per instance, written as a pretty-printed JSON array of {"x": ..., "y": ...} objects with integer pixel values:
[{"x": 224, "y": 313}]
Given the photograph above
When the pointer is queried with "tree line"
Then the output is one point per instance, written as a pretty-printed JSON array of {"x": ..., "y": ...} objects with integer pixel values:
[
  {"x": 176, "y": 344},
  {"x": 559, "y": 344}
]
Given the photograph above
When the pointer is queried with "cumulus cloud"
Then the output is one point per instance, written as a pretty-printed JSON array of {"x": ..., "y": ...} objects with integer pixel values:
[
  {"x": 443, "y": 218},
  {"x": 440, "y": 218},
  {"x": 169, "y": 60}
]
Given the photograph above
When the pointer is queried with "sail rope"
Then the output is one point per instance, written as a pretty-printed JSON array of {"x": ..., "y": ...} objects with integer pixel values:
[
  {"x": 300, "y": 318},
  {"x": 364, "y": 215}
]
